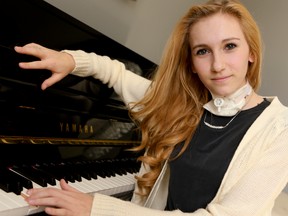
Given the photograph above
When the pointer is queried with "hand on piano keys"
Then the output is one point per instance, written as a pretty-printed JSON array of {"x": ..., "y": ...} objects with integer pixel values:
[{"x": 115, "y": 178}]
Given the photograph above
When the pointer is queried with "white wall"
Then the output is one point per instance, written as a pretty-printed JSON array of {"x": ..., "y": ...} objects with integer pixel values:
[
  {"x": 141, "y": 25},
  {"x": 272, "y": 18}
]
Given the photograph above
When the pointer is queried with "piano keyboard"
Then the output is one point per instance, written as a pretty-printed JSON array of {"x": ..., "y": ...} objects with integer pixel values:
[{"x": 15, "y": 180}]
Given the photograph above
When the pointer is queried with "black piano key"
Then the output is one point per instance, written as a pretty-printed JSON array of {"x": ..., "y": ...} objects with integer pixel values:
[
  {"x": 14, "y": 187},
  {"x": 25, "y": 182},
  {"x": 54, "y": 170},
  {"x": 72, "y": 170},
  {"x": 82, "y": 170},
  {"x": 121, "y": 170},
  {"x": 99, "y": 170},
  {"x": 87, "y": 170},
  {"x": 49, "y": 178},
  {"x": 111, "y": 165},
  {"x": 60, "y": 170},
  {"x": 30, "y": 173},
  {"x": 12, "y": 182},
  {"x": 87, "y": 175},
  {"x": 18, "y": 179},
  {"x": 106, "y": 168},
  {"x": 9, "y": 185},
  {"x": 122, "y": 167}
]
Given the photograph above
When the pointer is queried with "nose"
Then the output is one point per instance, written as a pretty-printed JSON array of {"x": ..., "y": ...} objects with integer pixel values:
[{"x": 218, "y": 63}]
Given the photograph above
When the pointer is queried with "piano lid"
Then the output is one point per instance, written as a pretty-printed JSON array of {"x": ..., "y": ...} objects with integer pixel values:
[
  {"x": 75, "y": 108},
  {"x": 43, "y": 23}
]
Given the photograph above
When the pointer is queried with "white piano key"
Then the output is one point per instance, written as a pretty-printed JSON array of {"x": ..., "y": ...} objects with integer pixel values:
[
  {"x": 77, "y": 185},
  {"x": 15, "y": 200},
  {"x": 82, "y": 186},
  {"x": 12, "y": 204},
  {"x": 5, "y": 203}
]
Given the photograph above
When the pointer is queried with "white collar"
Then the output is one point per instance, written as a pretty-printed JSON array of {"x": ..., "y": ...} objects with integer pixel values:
[{"x": 230, "y": 105}]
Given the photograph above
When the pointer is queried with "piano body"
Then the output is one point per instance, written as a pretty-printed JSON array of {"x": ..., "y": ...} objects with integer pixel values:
[{"x": 77, "y": 129}]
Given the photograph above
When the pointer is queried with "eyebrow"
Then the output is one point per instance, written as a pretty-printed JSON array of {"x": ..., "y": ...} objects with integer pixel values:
[{"x": 224, "y": 41}]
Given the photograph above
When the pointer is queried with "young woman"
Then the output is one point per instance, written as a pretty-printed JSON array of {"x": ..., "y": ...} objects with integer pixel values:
[{"x": 214, "y": 147}]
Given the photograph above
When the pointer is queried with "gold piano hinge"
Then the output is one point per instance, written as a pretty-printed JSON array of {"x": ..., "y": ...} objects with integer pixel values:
[
  {"x": 59, "y": 141},
  {"x": 4, "y": 141}
]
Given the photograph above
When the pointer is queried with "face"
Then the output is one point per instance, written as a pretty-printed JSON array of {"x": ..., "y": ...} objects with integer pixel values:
[{"x": 220, "y": 53}]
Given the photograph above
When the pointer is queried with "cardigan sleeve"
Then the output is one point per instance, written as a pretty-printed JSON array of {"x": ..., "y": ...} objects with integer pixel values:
[
  {"x": 105, "y": 205},
  {"x": 128, "y": 85}
]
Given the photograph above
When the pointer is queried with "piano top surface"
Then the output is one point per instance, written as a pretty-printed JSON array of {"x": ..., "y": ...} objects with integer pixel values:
[{"x": 43, "y": 23}]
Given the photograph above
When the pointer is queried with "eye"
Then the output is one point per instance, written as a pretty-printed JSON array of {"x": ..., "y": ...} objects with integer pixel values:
[
  {"x": 230, "y": 46},
  {"x": 202, "y": 52}
]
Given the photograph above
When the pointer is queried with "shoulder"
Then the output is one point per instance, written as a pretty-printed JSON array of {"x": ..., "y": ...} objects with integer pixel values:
[
  {"x": 276, "y": 107},
  {"x": 277, "y": 114}
]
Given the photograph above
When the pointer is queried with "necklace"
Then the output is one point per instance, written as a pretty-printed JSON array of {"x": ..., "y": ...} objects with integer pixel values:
[
  {"x": 227, "y": 124},
  {"x": 219, "y": 126}
]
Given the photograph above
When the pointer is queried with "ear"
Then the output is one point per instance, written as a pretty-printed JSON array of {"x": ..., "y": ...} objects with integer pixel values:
[{"x": 251, "y": 58}]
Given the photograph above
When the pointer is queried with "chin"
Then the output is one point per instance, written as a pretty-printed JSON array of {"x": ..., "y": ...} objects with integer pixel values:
[{"x": 221, "y": 94}]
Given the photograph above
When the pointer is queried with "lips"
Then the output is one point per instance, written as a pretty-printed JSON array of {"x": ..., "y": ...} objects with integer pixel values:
[{"x": 221, "y": 78}]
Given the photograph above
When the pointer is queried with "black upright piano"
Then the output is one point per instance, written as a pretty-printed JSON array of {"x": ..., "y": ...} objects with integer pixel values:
[{"x": 78, "y": 129}]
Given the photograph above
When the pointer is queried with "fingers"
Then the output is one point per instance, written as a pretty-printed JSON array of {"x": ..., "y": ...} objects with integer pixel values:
[
  {"x": 67, "y": 191},
  {"x": 56, "y": 211},
  {"x": 43, "y": 196},
  {"x": 31, "y": 49},
  {"x": 33, "y": 65},
  {"x": 54, "y": 205},
  {"x": 51, "y": 197},
  {"x": 67, "y": 187},
  {"x": 35, "y": 50},
  {"x": 55, "y": 77},
  {"x": 59, "y": 63},
  {"x": 67, "y": 201}
]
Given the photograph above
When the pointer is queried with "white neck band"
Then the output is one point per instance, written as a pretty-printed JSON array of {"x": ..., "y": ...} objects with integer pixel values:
[{"x": 230, "y": 105}]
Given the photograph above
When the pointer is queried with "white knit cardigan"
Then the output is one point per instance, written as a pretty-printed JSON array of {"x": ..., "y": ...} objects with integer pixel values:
[{"x": 255, "y": 177}]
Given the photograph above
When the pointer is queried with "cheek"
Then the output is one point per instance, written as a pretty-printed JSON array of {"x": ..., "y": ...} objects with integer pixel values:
[
  {"x": 200, "y": 67},
  {"x": 240, "y": 66}
]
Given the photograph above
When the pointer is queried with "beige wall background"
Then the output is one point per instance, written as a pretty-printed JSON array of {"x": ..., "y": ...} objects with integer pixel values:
[
  {"x": 272, "y": 18},
  {"x": 141, "y": 25},
  {"x": 144, "y": 26}
]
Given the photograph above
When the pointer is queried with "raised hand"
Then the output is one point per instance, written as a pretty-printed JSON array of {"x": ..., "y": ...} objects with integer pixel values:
[{"x": 59, "y": 63}]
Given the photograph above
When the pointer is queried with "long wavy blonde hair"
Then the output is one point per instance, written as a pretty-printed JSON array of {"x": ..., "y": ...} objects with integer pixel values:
[{"x": 172, "y": 108}]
